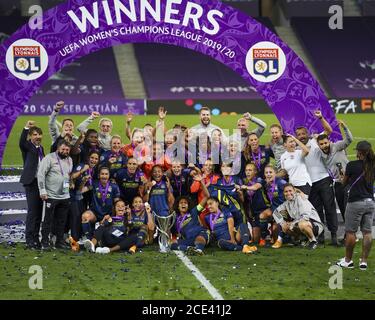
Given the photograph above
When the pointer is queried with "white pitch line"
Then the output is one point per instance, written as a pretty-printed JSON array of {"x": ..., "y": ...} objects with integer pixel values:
[{"x": 201, "y": 278}]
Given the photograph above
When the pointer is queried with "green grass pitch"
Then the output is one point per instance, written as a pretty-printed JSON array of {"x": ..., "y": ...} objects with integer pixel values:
[{"x": 287, "y": 273}]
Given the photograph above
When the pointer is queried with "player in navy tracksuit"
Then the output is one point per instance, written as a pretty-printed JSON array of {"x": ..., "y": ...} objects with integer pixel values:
[
  {"x": 192, "y": 236},
  {"x": 179, "y": 179},
  {"x": 83, "y": 175},
  {"x": 139, "y": 221},
  {"x": 104, "y": 195},
  {"x": 228, "y": 190},
  {"x": 274, "y": 189},
  {"x": 222, "y": 228},
  {"x": 114, "y": 159},
  {"x": 112, "y": 234},
  {"x": 159, "y": 192},
  {"x": 130, "y": 181}
]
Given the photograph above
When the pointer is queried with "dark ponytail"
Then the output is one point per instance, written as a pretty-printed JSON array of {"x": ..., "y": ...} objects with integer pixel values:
[{"x": 369, "y": 165}]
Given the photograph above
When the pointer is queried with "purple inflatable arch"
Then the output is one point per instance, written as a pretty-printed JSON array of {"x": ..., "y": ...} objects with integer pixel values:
[{"x": 79, "y": 27}]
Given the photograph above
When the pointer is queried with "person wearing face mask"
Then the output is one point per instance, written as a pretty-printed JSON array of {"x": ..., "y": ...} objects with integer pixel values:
[
  {"x": 335, "y": 159},
  {"x": 114, "y": 159},
  {"x": 54, "y": 188},
  {"x": 105, "y": 129},
  {"x": 130, "y": 180},
  {"x": 297, "y": 216},
  {"x": 32, "y": 154},
  {"x": 67, "y": 130}
]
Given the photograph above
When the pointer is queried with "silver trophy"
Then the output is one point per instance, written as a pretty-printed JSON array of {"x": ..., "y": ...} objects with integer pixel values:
[{"x": 163, "y": 226}]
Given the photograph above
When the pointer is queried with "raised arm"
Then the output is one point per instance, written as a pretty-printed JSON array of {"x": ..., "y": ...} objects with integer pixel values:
[
  {"x": 326, "y": 126},
  {"x": 304, "y": 148},
  {"x": 129, "y": 119},
  {"x": 348, "y": 137},
  {"x": 52, "y": 123},
  {"x": 261, "y": 125},
  {"x": 82, "y": 127},
  {"x": 23, "y": 143}
]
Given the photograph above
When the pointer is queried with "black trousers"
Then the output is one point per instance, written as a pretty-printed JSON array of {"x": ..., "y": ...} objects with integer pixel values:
[
  {"x": 306, "y": 189},
  {"x": 105, "y": 238},
  {"x": 75, "y": 218},
  {"x": 341, "y": 195},
  {"x": 34, "y": 212},
  {"x": 322, "y": 197},
  {"x": 55, "y": 219}
]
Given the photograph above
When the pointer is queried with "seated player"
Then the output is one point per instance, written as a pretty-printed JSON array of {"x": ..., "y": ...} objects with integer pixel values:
[
  {"x": 273, "y": 187},
  {"x": 111, "y": 235},
  {"x": 130, "y": 180},
  {"x": 297, "y": 216},
  {"x": 139, "y": 221},
  {"x": 104, "y": 195},
  {"x": 258, "y": 207},
  {"x": 159, "y": 192},
  {"x": 114, "y": 159},
  {"x": 192, "y": 236},
  {"x": 222, "y": 228}
]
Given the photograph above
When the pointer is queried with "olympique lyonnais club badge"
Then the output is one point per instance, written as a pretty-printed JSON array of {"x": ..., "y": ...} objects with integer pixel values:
[
  {"x": 266, "y": 61},
  {"x": 27, "y": 59}
]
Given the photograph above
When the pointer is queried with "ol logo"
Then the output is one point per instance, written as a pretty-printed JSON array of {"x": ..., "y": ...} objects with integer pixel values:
[
  {"x": 265, "y": 61},
  {"x": 27, "y": 59}
]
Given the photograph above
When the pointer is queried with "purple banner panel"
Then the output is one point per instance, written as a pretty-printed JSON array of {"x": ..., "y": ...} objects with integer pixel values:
[
  {"x": 345, "y": 58},
  {"x": 78, "y": 28},
  {"x": 111, "y": 106}
]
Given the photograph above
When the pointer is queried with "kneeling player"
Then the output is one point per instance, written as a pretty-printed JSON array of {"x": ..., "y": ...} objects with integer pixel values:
[
  {"x": 222, "y": 227},
  {"x": 139, "y": 221},
  {"x": 297, "y": 216},
  {"x": 112, "y": 234}
]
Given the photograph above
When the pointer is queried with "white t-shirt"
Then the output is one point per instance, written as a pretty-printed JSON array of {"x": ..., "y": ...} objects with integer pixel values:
[
  {"x": 294, "y": 164},
  {"x": 314, "y": 162}
]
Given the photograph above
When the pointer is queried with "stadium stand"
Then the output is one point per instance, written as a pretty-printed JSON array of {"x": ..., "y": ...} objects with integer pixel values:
[{"x": 344, "y": 59}]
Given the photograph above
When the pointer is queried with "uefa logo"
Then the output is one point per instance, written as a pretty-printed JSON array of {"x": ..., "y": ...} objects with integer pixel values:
[
  {"x": 265, "y": 61},
  {"x": 27, "y": 59}
]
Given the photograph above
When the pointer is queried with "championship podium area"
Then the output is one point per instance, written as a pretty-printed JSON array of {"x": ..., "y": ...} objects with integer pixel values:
[{"x": 287, "y": 273}]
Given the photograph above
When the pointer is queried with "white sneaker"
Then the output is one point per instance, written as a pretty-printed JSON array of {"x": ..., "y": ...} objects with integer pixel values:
[
  {"x": 102, "y": 250},
  {"x": 89, "y": 245},
  {"x": 362, "y": 265},
  {"x": 343, "y": 264}
]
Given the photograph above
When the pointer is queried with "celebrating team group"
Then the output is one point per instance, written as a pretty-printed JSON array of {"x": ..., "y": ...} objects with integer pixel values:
[{"x": 95, "y": 191}]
